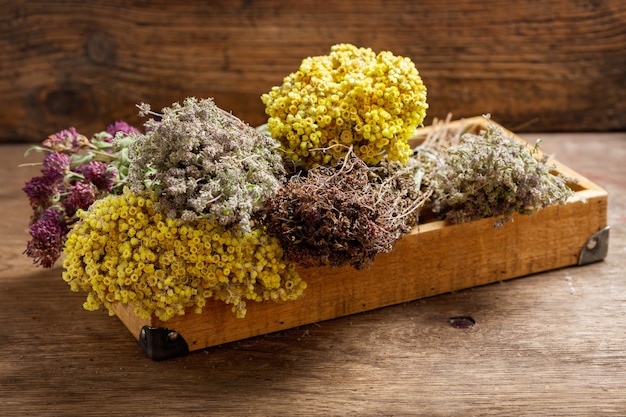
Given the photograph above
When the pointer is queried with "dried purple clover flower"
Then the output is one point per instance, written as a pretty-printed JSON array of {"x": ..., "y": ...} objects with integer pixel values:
[
  {"x": 48, "y": 236},
  {"x": 41, "y": 192},
  {"x": 492, "y": 174},
  {"x": 100, "y": 174},
  {"x": 80, "y": 196},
  {"x": 204, "y": 162},
  {"x": 55, "y": 166},
  {"x": 67, "y": 140}
]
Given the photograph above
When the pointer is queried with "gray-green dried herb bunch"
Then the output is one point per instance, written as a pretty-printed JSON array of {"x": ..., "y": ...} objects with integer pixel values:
[
  {"x": 491, "y": 174},
  {"x": 203, "y": 162},
  {"x": 345, "y": 214}
]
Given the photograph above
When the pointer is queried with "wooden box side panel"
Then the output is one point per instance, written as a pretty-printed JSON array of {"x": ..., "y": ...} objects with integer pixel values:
[{"x": 443, "y": 259}]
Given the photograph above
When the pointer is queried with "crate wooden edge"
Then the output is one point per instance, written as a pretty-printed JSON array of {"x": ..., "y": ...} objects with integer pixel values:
[{"x": 551, "y": 238}]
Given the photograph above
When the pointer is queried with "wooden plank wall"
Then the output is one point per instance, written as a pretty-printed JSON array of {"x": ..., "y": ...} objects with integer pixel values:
[{"x": 550, "y": 65}]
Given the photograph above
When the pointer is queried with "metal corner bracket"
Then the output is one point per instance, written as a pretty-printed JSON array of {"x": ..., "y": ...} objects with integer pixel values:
[
  {"x": 161, "y": 343},
  {"x": 595, "y": 248}
]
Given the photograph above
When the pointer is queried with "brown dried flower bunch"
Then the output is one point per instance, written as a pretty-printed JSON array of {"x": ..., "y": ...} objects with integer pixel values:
[{"x": 345, "y": 214}]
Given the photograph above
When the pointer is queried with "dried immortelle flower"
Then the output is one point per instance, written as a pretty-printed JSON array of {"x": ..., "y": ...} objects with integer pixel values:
[
  {"x": 204, "y": 162},
  {"x": 123, "y": 250},
  {"x": 48, "y": 235},
  {"x": 354, "y": 97},
  {"x": 345, "y": 214},
  {"x": 493, "y": 174}
]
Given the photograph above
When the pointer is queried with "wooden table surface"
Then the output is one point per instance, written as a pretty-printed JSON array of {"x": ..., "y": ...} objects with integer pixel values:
[{"x": 548, "y": 344}]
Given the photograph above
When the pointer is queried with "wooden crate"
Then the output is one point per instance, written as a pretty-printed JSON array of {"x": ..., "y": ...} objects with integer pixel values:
[{"x": 436, "y": 257}]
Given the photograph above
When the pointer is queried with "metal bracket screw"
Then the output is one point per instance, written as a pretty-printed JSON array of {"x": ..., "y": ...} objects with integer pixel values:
[{"x": 596, "y": 248}]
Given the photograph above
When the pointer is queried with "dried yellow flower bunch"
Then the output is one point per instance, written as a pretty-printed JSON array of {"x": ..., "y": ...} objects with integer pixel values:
[
  {"x": 124, "y": 250},
  {"x": 353, "y": 97}
]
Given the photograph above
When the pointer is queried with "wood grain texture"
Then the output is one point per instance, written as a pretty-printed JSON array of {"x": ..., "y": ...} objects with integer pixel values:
[
  {"x": 551, "y": 344},
  {"x": 549, "y": 65}
]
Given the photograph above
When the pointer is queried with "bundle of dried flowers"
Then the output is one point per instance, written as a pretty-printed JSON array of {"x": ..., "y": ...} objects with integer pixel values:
[
  {"x": 124, "y": 250},
  {"x": 76, "y": 171},
  {"x": 352, "y": 96},
  {"x": 201, "y": 206},
  {"x": 203, "y": 162},
  {"x": 489, "y": 174},
  {"x": 345, "y": 214}
]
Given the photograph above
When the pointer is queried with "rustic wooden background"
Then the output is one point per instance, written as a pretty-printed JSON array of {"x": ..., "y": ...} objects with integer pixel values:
[{"x": 552, "y": 65}]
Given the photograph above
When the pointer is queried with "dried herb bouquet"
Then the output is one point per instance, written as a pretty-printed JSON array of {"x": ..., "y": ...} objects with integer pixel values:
[{"x": 202, "y": 206}]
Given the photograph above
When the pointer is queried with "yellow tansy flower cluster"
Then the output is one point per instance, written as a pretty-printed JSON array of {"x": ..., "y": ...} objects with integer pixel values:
[
  {"x": 124, "y": 251},
  {"x": 353, "y": 97}
]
